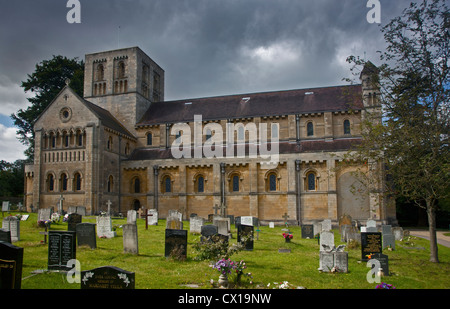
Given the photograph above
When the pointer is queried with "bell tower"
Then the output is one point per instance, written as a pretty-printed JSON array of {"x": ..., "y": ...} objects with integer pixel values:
[{"x": 124, "y": 82}]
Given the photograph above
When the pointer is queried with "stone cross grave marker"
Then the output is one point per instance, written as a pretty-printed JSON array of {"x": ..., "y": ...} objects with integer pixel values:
[
  {"x": 12, "y": 224},
  {"x": 86, "y": 235},
  {"x": 61, "y": 249},
  {"x": 130, "y": 238},
  {"x": 60, "y": 204},
  {"x": 11, "y": 261},
  {"x": 109, "y": 203},
  {"x": 107, "y": 277}
]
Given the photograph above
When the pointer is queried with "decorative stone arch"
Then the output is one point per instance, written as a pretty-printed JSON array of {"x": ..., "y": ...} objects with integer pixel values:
[
  {"x": 77, "y": 184},
  {"x": 307, "y": 179},
  {"x": 164, "y": 184},
  {"x": 268, "y": 181},
  {"x": 231, "y": 181},
  {"x": 136, "y": 184},
  {"x": 196, "y": 183},
  {"x": 63, "y": 181},
  {"x": 347, "y": 126},
  {"x": 50, "y": 181}
]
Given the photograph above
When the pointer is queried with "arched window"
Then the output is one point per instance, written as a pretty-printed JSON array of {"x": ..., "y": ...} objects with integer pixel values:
[
  {"x": 166, "y": 184},
  {"x": 50, "y": 183},
  {"x": 200, "y": 184},
  {"x": 137, "y": 185},
  {"x": 121, "y": 70},
  {"x": 149, "y": 139},
  {"x": 77, "y": 182},
  {"x": 136, "y": 205},
  {"x": 110, "y": 183},
  {"x": 272, "y": 182},
  {"x": 346, "y": 126},
  {"x": 310, "y": 128},
  {"x": 79, "y": 138},
  {"x": 63, "y": 182},
  {"x": 100, "y": 72},
  {"x": 110, "y": 143},
  {"x": 127, "y": 149},
  {"x": 311, "y": 181},
  {"x": 235, "y": 183},
  {"x": 274, "y": 130}
]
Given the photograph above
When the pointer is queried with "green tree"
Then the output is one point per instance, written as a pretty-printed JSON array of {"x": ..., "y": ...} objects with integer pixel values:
[
  {"x": 413, "y": 83},
  {"x": 45, "y": 83},
  {"x": 11, "y": 178}
]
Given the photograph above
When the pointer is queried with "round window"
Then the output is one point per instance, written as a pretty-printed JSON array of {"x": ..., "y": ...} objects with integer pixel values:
[{"x": 65, "y": 114}]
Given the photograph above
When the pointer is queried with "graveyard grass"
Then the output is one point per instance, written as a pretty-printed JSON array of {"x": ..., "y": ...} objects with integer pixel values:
[{"x": 410, "y": 267}]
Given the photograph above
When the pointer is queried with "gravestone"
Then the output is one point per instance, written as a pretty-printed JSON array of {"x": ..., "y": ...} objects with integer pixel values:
[
  {"x": 81, "y": 210},
  {"x": 44, "y": 214},
  {"x": 5, "y": 206},
  {"x": 384, "y": 262},
  {"x": 341, "y": 261},
  {"x": 370, "y": 244},
  {"x": 231, "y": 217},
  {"x": 152, "y": 217},
  {"x": 5, "y": 236},
  {"x": 353, "y": 234},
  {"x": 86, "y": 235},
  {"x": 208, "y": 231},
  {"x": 195, "y": 225},
  {"x": 107, "y": 277},
  {"x": 371, "y": 226},
  {"x": 326, "y": 225},
  {"x": 175, "y": 213},
  {"x": 223, "y": 226},
  {"x": 11, "y": 261},
  {"x": 317, "y": 226},
  {"x": 173, "y": 222},
  {"x": 104, "y": 227},
  {"x": 176, "y": 243},
  {"x": 398, "y": 233},
  {"x": 308, "y": 231},
  {"x": 326, "y": 240},
  {"x": 245, "y": 231},
  {"x": 326, "y": 261},
  {"x": 61, "y": 249},
  {"x": 344, "y": 220},
  {"x": 131, "y": 217},
  {"x": 12, "y": 224},
  {"x": 344, "y": 230},
  {"x": 72, "y": 221},
  {"x": 388, "y": 237},
  {"x": 130, "y": 238}
]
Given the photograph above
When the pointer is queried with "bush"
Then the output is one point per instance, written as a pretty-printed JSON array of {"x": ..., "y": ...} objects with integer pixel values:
[{"x": 212, "y": 248}]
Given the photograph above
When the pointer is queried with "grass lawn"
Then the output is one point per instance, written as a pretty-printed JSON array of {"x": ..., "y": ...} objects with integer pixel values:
[{"x": 408, "y": 264}]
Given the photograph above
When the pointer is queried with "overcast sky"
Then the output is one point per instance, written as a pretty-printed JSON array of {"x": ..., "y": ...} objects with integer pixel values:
[{"x": 206, "y": 47}]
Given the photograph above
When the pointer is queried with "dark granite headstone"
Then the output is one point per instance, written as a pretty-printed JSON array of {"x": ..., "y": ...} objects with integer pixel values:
[
  {"x": 86, "y": 235},
  {"x": 5, "y": 236},
  {"x": 245, "y": 231},
  {"x": 207, "y": 231},
  {"x": 73, "y": 220},
  {"x": 11, "y": 260},
  {"x": 61, "y": 249},
  {"x": 370, "y": 244},
  {"x": 308, "y": 231},
  {"x": 107, "y": 277},
  {"x": 384, "y": 262},
  {"x": 176, "y": 243}
]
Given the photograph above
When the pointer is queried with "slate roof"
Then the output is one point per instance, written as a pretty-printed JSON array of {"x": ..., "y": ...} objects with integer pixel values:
[
  {"x": 276, "y": 103},
  {"x": 284, "y": 148}
]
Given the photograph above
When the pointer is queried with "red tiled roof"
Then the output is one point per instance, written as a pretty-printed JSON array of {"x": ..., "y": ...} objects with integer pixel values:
[{"x": 277, "y": 103}]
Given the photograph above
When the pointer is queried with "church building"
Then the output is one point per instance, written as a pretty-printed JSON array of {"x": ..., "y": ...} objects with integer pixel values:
[{"x": 276, "y": 155}]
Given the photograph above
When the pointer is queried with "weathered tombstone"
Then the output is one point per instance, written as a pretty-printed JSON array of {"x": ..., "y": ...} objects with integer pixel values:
[
  {"x": 86, "y": 235},
  {"x": 152, "y": 217},
  {"x": 173, "y": 222},
  {"x": 5, "y": 206},
  {"x": 353, "y": 234},
  {"x": 388, "y": 237},
  {"x": 326, "y": 240},
  {"x": 344, "y": 220},
  {"x": 176, "y": 243},
  {"x": 231, "y": 217},
  {"x": 307, "y": 231},
  {"x": 175, "y": 213},
  {"x": 398, "y": 233},
  {"x": 344, "y": 230},
  {"x": 195, "y": 225},
  {"x": 11, "y": 261},
  {"x": 316, "y": 227},
  {"x": 5, "y": 236},
  {"x": 61, "y": 249},
  {"x": 130, "y": 238},
  {"x": 104, "y": 227},
  {"x": 371, "y": 226},
  {"x": 245, "y": 232},
  {"x": 384, "y": 262},
  {"x": 107, "y": 277},
  {"x": 81, "y": 210},
  {"x": 44, "y": 214},
  {"x": 208, "y": 231},
  {"x": 326, "y": 225},
  {"x": 12, "y": 224},
  {"x": 223, "y": 226},
  {"x": 370, "y": 244},
  {"x": 72, "y": 210},
  {"x": 272, "y": 225},
  {"x": 326, "y": 261},
  {"x": 72, "y": 221},
  {"x": 341, "y": 261},
  {"x": 131, "y": 217}
]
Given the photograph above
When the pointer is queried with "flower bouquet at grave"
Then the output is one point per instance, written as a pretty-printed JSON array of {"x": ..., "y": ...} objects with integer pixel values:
[
  {"x": 385, "y": 286},
  {"x": 55, "y": 217},
  {"x": 288, "y": 237},
  {"x": 66, "y": 218},
  {"x": 44, "y": 223},
  {"x": 239, "y": 271},
  {"x": 225, "y": 268}
]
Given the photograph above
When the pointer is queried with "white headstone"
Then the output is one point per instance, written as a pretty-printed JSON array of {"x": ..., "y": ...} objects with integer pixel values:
[
  {"x": 152, "y": 217},
  {"x": 195, "y": 225},
  {"x": 247, "y": 220},
  {"x": 326, "y": 225},
  {"x": 12, "y": 224},
  {"x": 104, "y": 227},
  {"x": 327, "y": 239},
  {"x": 271, "y": 225},
  {"x": 5, "y": 206},
  {"x": 131, "y": 216}
]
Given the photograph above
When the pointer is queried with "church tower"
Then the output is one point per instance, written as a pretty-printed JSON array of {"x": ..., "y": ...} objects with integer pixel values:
[{"x": 124, "y": 82}]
